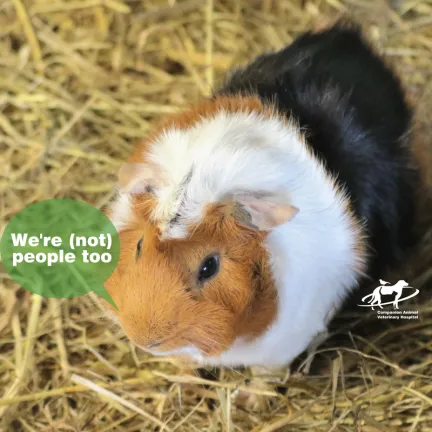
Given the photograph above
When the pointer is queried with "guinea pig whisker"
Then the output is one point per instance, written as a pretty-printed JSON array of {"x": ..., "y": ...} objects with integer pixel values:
[
  {"x": 198, "y": 225},
  {"x": 221, "y": 344},
  {"x": 216, "y": 342},
  {"x": 237, "y": 372}
]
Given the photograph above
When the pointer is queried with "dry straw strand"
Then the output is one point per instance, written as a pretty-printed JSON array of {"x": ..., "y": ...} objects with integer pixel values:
[
  {"x": 29, "y": 32},
  {"x": 110, "y": 395}
]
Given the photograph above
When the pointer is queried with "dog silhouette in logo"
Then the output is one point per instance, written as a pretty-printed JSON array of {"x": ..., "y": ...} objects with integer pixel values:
[{"x": 385, "y": 289}]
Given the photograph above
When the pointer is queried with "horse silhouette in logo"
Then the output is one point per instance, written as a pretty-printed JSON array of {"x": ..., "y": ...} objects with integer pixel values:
[{"x": 385, "y": 289}]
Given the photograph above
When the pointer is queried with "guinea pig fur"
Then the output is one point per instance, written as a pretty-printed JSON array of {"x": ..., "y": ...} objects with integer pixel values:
[{"x": 247, "y": 219}]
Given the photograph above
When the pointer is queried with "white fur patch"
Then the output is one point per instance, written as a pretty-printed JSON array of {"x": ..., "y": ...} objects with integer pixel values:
[
  {"x": 313, "y": 256},
  {"x": 121, "y": 211}
]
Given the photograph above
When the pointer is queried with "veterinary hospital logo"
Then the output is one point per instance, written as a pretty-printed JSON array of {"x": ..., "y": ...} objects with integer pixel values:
[{"x": 397, "y": 290}]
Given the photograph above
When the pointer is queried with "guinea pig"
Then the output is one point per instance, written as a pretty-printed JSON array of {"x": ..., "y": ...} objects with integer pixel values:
[{"x": 248, "y": 218}]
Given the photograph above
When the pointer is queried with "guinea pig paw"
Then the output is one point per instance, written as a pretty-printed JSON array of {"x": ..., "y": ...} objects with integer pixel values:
[
  {"x": 311, "y": 352},
  {"x": 274, "y": 374},
  {"x": 252, "y": 400}
]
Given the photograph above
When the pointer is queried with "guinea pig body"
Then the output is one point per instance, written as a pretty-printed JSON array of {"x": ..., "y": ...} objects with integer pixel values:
[{"x": 246, "y": 220}]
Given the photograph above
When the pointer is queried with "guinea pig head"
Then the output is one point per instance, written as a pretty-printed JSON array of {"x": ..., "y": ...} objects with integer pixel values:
[{"x": 196, "y": 295}]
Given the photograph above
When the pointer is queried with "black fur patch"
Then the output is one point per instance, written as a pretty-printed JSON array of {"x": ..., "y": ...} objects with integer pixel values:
[{"x": 357, "y": 121}]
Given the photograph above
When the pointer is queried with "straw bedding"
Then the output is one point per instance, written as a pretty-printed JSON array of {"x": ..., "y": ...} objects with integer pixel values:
[{"x": 80, "y": 82}]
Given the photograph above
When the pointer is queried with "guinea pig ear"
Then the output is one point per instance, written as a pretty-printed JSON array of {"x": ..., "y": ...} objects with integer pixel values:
[
  {"x": 137, "y": 178},
  {"x": 262, "y": 212}
]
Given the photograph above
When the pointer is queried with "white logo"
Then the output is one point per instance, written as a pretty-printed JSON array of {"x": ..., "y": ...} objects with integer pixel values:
[{"x": 397, "y": 289}]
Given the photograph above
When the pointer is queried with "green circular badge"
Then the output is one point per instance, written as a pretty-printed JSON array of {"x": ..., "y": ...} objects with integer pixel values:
[{"x": 61, "y": 248}]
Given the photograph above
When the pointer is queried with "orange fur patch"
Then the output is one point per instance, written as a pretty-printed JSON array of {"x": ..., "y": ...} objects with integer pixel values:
[
  {"x": 161, "y": 300},
  {"x": 255, "y": 285}
]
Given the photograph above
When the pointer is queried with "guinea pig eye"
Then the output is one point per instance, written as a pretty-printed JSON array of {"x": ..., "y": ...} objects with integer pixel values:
[
  {"x": 209, "y": 267},
  {"x": 138, "y": 247}
]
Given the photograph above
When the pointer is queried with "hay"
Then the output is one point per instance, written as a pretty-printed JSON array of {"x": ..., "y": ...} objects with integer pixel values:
[{"x": 80, "y": 82}]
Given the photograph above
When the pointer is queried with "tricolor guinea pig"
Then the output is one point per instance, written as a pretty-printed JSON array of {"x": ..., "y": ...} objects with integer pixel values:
[{"x": 247, "y": 219}]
